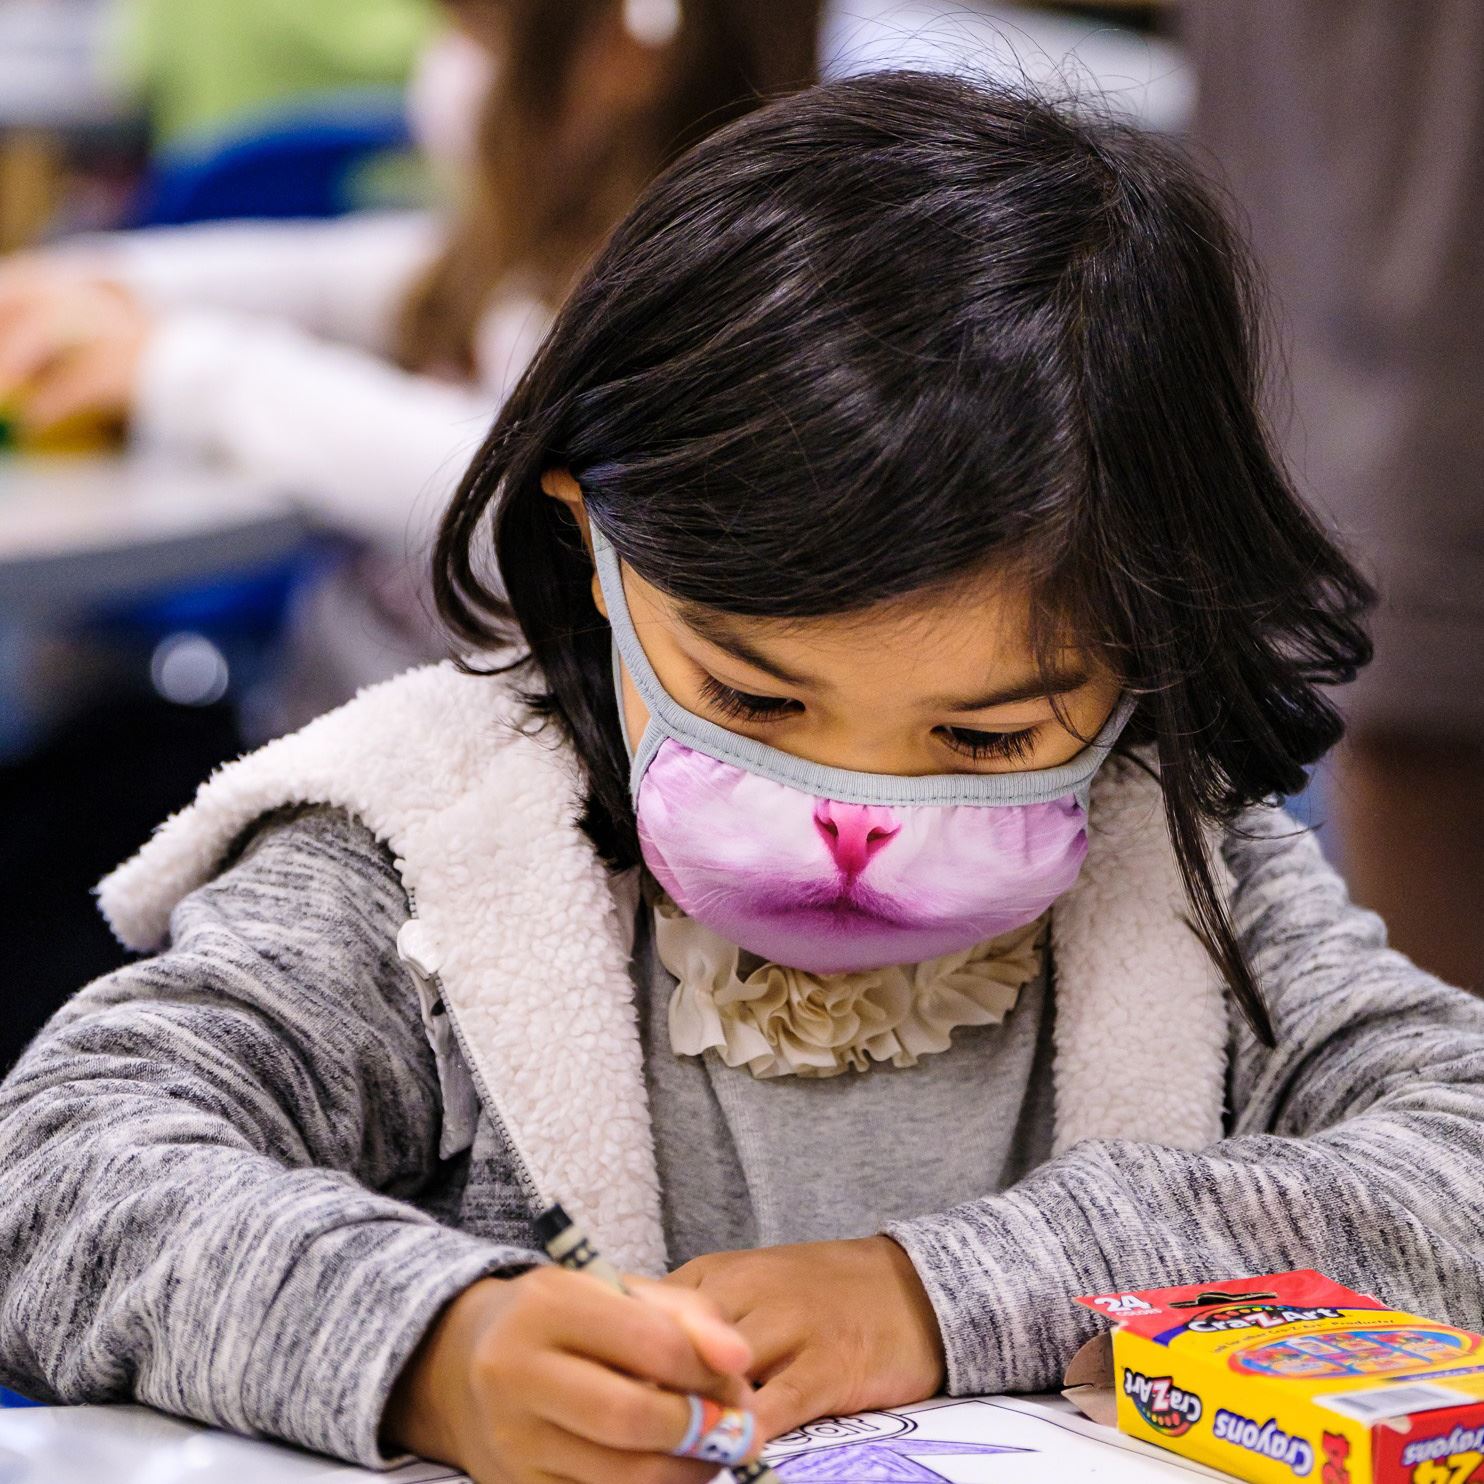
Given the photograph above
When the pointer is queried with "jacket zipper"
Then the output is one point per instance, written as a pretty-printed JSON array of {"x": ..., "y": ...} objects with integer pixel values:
[{"x": 535, "y": 1196}]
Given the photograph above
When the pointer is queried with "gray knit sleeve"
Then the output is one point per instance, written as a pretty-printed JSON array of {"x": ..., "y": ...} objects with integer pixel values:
[
  {"x": 208, "y": 1161},
  {"x": 1355, "y": 1147}
]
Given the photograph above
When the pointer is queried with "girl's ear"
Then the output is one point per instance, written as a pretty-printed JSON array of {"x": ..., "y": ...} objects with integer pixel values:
[{"x": 560, "y": 485}]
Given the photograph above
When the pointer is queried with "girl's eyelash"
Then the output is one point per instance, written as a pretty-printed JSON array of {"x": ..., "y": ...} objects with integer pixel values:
[
  {"x": 737, "y": 705},
  {"x": 1009, "y": 747},
  {"x": 740, "y": 706}
]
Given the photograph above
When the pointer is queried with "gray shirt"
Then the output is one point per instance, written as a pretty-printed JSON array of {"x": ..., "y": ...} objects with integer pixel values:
[
  {"x": 750, "y": 1162},
  {"x": 221, "y": 1190}
]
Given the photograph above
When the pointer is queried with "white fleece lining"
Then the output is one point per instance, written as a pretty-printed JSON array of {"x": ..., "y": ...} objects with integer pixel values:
[
  {"x": 1141, "y": 1013},
  {"x": 531, "y": 940},
  {"x": 516, "y": 910}
]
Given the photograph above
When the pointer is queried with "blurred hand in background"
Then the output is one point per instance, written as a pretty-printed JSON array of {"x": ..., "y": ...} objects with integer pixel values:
[{"x": 71, "y": 344}]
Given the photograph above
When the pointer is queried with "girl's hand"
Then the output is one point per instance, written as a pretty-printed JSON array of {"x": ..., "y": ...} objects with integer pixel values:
[
  {"x": 552, "y": 1376},
  {"x": 835, "y": 1327},
  {"x": 70, "y": 344}
]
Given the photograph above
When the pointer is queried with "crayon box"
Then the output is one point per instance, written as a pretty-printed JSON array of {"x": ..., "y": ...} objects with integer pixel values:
[{"x": 1288, "y": 1377}]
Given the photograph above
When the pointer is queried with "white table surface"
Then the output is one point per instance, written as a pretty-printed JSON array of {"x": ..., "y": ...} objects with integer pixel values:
[
  {"x": 79, "y": 531},
  {"x": 134, "y": 1445}
]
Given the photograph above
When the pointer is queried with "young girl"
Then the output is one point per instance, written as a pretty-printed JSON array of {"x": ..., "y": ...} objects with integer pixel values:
[{"x": 845, "y": 875}]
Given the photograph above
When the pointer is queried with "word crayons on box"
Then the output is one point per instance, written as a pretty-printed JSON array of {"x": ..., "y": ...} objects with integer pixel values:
[{"x": 1288, "y": 1377}]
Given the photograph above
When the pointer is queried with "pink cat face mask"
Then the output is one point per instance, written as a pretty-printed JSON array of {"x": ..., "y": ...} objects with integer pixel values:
[{"x": 829, "y": 870}]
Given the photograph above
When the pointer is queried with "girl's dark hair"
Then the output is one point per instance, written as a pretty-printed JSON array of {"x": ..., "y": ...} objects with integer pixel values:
[{"x": 892, "y": 330}]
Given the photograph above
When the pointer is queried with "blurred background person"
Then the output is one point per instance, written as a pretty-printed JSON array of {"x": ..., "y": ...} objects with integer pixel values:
[
  {"x": 1352, "y": 132},
  {"x": 359, "y": 362},
  {"x": 354, "y": 362}
]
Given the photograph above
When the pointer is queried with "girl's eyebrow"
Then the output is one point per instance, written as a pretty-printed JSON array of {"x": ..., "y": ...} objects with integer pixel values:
[
  {"x": 714, "y": 629},
  {"x": 1040, "y": 688}
]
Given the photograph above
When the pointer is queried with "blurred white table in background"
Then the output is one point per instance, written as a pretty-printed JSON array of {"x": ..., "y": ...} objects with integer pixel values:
[
  {"x": 52, "y": 73},
  {"x": 77, "y": 532},
  {"x": 1145, "y": 79}
]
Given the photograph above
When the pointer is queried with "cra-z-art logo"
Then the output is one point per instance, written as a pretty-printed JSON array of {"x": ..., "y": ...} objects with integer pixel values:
[
  {"x": 1258, "y": 1316},
  {"x": 1164, "y": 1406}
]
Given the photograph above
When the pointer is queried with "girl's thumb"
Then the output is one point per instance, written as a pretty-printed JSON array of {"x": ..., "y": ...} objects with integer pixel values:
[{"x": 718, "y": 1343}]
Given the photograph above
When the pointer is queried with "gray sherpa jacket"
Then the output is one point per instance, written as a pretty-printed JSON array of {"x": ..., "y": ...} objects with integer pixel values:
[{"x": 238, "y": 1180}]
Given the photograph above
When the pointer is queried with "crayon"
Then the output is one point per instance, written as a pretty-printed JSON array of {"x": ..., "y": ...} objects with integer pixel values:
[{"x": 715, "y": 1433}]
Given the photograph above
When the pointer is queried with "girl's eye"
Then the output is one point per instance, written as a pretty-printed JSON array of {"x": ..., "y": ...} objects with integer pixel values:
[
  {"x": 740, "y": 706},
  {"x": 1008, "y": 747}
]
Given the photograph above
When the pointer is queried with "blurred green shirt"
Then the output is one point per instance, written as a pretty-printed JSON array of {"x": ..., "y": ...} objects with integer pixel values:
[{"x": 202, "y": 68}]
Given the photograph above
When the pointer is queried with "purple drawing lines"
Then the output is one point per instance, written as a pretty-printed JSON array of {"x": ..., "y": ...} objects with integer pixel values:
[{"x": 887, "y": 1461}]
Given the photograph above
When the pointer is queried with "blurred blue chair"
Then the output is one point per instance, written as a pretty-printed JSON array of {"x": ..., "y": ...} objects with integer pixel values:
[
  {"x": 15, "y": 1399},
  {"x": 242, "y": 614},
  {"x": 305, "y": 166}
]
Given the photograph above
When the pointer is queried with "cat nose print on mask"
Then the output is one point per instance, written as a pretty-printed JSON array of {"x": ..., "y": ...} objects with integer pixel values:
[{"x": 854, "y": 833}]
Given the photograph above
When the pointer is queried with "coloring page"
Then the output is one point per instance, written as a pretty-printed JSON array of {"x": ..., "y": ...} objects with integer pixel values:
[{"x": 972, "y": 1440}]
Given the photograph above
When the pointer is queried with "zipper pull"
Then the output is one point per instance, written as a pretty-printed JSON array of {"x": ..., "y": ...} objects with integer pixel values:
[
  {"x": 415, "y": 949},
  {"x": 461, "y": 1105}
]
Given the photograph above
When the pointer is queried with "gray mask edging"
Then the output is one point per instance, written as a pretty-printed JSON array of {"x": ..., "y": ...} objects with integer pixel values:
[{"x": 667, "y": 718}]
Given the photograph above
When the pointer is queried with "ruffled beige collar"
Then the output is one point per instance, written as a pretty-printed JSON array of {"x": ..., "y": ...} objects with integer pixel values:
[{"x": 779, "y": 1022}]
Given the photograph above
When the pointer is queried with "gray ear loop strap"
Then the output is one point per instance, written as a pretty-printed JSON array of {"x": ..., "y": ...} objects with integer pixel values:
[
  {"x": 628, "y": 650},
  {"x": 623, "y": 724},
  {"x": 669, "y": 719}
]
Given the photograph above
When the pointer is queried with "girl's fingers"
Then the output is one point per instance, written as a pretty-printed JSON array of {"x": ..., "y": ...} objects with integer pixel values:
[
  {"x": 799, "y": 1393},
  {"x": 568, "y": 1456},
  {"x": 642, "y": 1339},
  {"x": 776, "y": 1336},
  {"x": 607, "y": 1408},
  {"x": 720, "y": 1344}
]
